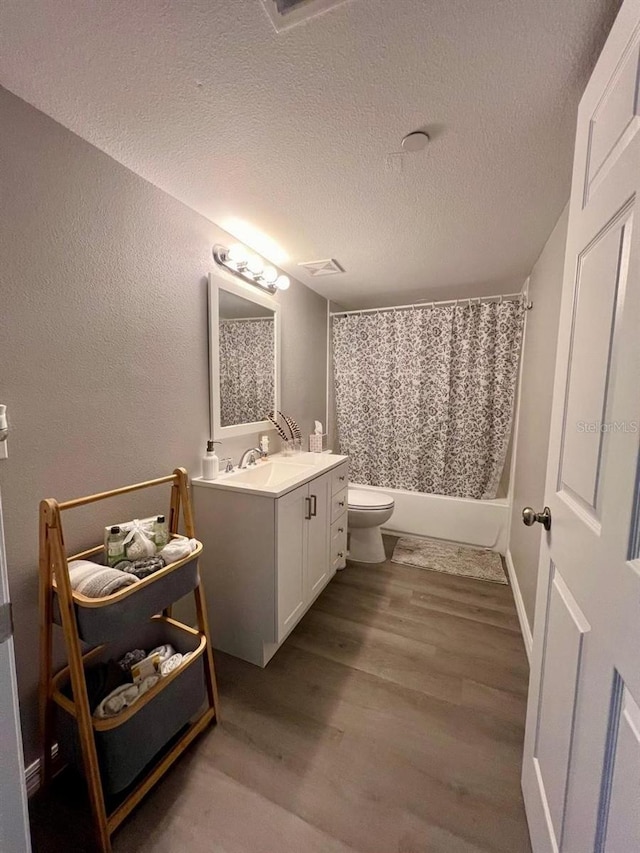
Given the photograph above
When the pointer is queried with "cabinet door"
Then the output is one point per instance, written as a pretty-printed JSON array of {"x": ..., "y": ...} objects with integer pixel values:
[
  {"x": 293, "y": 510},
  {"x": 319, "y": 532}
]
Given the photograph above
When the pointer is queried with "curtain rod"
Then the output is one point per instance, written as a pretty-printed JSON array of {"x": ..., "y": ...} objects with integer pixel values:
[{"x": 509, "y": 297}]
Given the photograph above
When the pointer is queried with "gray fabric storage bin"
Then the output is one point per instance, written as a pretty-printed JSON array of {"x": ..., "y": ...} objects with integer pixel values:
[
  {"x": 124, "y": 751},
  {"x": 102, "y": 624}
]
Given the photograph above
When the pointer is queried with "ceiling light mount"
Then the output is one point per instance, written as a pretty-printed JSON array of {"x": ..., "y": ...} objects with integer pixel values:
[
  {"x": 241, "y": 262},
  {"x": 415, "y": 141}
]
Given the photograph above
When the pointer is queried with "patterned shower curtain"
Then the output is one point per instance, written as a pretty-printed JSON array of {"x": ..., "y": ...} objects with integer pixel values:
[
  {"x": 424, "y": 396},
  {"x": 246, "y": 370}
]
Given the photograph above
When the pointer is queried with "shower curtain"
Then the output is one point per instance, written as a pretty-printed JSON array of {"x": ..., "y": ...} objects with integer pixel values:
[
  {"x": 424, "y": 396},
  {"x": 246, "y": 370}
]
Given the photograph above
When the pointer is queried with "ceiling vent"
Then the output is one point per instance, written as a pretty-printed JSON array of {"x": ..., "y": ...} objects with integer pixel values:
[
  {"x": 319, "y": 268},
  {"x": 285, "y": 14}
]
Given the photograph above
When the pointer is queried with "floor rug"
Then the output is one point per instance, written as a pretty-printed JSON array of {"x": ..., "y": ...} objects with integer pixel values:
[{"x": 439, "y": 556}]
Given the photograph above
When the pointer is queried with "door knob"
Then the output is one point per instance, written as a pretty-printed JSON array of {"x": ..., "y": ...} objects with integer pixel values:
[{"x": 530, "y": 516}]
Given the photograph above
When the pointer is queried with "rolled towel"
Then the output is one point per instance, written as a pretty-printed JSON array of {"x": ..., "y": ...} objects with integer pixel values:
[
  {"x": 170, "y": 664},
  {"x": 97, "y": 581},
  {"x": 163, "y": 652},
  {"x": 152, "y": 663},
  {"x": 124, "y": 696},
  {"x": 175, "y": 550}
]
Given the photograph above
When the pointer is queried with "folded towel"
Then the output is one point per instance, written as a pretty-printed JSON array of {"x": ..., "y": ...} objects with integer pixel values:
[
  {"x": 124, "y": 696},
  {"x": 96, "y": 581}
]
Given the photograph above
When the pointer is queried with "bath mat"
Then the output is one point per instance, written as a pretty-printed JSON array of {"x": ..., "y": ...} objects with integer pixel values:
[{"x": 438, "y": 556}]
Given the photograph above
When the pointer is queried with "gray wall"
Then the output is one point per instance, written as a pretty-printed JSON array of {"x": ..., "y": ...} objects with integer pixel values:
[
  {"x": 539, "y": 358},
  {"x": 103, "y": 345}
]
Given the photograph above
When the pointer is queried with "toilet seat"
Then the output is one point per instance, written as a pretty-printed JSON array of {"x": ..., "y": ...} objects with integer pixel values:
[{"x": 361, "y": 499}]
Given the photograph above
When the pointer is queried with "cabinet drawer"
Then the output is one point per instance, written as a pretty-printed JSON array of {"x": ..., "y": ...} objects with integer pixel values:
[
  {"x": 339, "y": 542},
  {"x": 338, "y": 504},
  {"x": 340, "y": 478}
]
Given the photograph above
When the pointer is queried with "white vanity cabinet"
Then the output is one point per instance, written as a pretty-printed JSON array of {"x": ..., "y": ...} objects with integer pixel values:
[{"x": 266, "y": 558}]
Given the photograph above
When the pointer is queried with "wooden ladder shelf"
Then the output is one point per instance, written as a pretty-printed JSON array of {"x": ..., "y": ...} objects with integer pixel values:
[{"x": 55, "y": 582}]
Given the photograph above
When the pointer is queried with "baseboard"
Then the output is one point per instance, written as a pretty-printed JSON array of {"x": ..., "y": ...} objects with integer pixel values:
[
  {"x": 32, "y": 772},
  {"x": 527, "y": 636}
]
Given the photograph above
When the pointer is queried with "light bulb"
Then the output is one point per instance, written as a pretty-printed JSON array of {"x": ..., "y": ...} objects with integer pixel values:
[
  {"x": 255, "y": 264},
  {"x": 283, "y": 282},
  {"x": 270, "y": 274},
  {"x": 237, "y": 254}
]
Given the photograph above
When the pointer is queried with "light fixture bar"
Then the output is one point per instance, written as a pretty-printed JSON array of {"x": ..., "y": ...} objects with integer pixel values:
[{"x": 250, "y": 268}]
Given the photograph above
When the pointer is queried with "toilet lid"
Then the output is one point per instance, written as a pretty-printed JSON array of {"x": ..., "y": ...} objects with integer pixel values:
[{"x": 359, "y": 499}]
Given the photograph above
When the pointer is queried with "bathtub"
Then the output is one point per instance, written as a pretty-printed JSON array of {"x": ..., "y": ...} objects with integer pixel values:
[{"x": 474, "y": 522}]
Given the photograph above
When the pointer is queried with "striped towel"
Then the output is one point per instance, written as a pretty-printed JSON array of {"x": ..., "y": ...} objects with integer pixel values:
[{"x": 96, "y": 581}]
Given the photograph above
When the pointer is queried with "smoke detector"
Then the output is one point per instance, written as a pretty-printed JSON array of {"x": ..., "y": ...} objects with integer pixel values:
[
  {"x": 416, "y": 141},
  {"x": 319, "y": 268},
  {"x": 285, "y": 14}
]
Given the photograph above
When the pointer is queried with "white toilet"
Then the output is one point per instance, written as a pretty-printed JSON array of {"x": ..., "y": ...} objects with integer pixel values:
[{"x": 368, "y": 511}]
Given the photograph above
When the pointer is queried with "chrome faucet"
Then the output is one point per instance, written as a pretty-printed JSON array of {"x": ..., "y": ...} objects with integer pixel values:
[{"x": 251, "y": 453}]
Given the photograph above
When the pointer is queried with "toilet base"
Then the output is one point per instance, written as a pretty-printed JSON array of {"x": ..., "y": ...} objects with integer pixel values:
[{"x": 365, "y": 545}]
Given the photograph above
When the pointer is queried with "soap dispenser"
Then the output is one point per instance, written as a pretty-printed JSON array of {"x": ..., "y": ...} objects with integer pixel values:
[{"x": 210, "y": 462}]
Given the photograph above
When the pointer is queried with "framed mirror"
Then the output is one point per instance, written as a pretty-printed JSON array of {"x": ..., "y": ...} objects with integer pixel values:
[{"x": 244, "y": 350}]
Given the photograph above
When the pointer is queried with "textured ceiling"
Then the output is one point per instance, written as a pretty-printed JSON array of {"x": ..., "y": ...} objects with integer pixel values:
[{"x": 298, "y": 133}]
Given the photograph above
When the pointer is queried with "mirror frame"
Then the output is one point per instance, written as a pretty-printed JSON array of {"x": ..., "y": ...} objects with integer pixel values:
[{"x": 217, "y": 283}]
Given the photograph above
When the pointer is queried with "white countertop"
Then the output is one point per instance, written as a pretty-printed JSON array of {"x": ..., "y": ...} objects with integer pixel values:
[{"x": 304, "y": 467}]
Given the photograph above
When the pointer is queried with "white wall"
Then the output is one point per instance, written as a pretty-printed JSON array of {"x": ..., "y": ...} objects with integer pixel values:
[
  {"x": 532, "y": 440},
  {"x": 103, "y": 345}
]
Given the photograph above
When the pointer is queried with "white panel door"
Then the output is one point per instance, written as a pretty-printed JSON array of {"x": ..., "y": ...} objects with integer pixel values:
[
  {"x": 14, "y": 820},
  {"x": 581, "y": 770}
]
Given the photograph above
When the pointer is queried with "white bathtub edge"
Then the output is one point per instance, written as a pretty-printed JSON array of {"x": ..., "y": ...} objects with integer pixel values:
[{"x": 472, "y": 522}]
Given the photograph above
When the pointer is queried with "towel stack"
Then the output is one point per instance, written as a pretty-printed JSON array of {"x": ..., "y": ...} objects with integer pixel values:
[{"x": 96, "y": 581}]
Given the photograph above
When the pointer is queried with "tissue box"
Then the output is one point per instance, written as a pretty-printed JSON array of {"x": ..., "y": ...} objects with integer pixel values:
[{"x": 318, "y": 443}]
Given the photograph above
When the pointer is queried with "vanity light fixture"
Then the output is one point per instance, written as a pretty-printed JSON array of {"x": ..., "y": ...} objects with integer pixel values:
[
  {"x": 270, "y": 274},
  {"x": 250, "y": 267}
]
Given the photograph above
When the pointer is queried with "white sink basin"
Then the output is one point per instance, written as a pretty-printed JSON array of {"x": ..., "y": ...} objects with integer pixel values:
[
  {"x": 268, "y": 474},
  {"x": 276, "y": 476}
]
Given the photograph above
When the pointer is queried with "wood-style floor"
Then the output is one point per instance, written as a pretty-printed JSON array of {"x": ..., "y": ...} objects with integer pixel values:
[{"x": 391, "y": 721}]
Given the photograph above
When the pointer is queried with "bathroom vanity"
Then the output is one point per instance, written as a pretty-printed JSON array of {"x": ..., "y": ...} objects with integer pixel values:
[{"x": 274, "y": 535}]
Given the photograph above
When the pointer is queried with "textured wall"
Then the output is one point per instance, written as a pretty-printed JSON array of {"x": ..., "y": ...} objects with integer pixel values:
[
  {"x": 539, "y": 358},
  {"x": 103, "y": 344}
]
